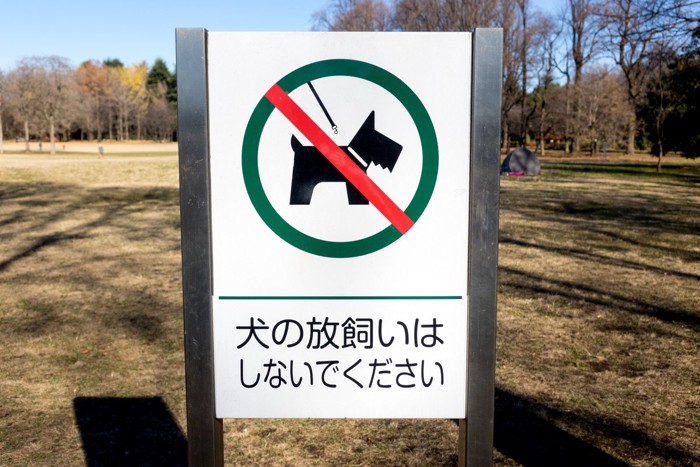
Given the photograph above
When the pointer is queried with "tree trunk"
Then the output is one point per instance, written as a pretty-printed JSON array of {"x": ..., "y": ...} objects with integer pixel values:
[
  {"x": 1, "y": 133},
  {"x": 577, "y": 114},
  {"x": 52, "y": 136},
  {"x": 542, "y": 116},
  {"x": 523, "y": 60},
  {"x": 26, "y": 135},
  {"x": 631, "y": 131},
  {"x": 567, "y": 124},
  {"x": 111, "y": 119}
]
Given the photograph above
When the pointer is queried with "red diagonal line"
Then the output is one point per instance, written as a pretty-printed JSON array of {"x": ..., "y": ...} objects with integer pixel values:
[{"x": 339, "y": 159}]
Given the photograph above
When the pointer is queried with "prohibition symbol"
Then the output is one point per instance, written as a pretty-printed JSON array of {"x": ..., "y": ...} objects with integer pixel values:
[{"x": 361, "y": 187}]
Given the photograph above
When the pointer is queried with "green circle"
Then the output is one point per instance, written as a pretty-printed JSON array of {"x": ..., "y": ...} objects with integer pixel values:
[{"x": 251, "y": 144}]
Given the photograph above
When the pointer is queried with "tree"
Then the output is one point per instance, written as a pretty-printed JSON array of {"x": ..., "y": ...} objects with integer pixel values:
[
  {"x": 113, "y": 63},
  {"x": 512, "y": 69},
  {"x": 545, "y": 40},
  {"x": 659, "y": 100},
  {"x": 581, "y": 22},
  {"x": 160, "y": 74},
  {"x": 122, "y": 101},
  {"x": 445, "y": 15},
  {"x": 523, "y": 58},
  {"x": 95, "y": 90},
  {"x": 683, "y": 122},
  {"x": 23, "y": 90},
  {"x": 2, "y": 109},
  {"x": 672, "y": 108},
  {"x": 354, "y": 15},
  {"x": 135, "y": 78},
  {"x": 117, "y": 97},
  {"x": 602, "y": 108},
  {"x": 632, "y": 28},
  {"x": 56, "y": 91},
  {"x": 161, "y": 115}
]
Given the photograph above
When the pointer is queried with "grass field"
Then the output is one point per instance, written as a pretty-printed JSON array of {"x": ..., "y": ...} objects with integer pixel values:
[{"x": 598, "y": 359}]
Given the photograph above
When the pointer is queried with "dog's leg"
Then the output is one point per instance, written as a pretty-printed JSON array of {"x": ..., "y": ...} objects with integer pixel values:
[
  {"x": 302, "y": 187},
  {"x": 354, "y": 195}
]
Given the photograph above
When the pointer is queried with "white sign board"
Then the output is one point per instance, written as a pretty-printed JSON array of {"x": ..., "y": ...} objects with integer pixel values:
[{"x": 339, "y": 187}]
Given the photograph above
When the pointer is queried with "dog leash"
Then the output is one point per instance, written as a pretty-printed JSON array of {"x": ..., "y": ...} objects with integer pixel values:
[{"x": 334, "y": 127}]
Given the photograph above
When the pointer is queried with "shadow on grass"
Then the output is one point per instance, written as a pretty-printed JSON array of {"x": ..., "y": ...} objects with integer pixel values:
[
  {"x": 129, "y": 431},
  {"x": 88, "y": 213},
  {"x": 626, "y": 213},
  {"x": 527, "y": 432},
  {"x": 37, "y": 245},
  {"x": 687, "y": 173},
  {"x": 522, "y": 433},
  {"x": 113, "y": 204},
  {"x": 530, "y": 284},
  {"x": 597, "y": 258}
]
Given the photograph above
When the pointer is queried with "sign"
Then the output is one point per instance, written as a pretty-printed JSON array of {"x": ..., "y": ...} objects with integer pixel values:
[
  {"x": 376, "y": 149},
  {"x": 339, "y": 191}
]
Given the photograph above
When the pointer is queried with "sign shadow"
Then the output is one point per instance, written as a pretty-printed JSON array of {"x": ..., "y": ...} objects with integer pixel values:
[
  {"x": 129, "y": 431},
  {"x": 524, "y": 434}
]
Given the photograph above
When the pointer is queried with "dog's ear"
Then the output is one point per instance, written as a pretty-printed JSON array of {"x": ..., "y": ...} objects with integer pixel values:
[
  {"x": 296, "y": 144},
  {"x": 369, "y": 123},
  {"x": 364, "y": 140}
]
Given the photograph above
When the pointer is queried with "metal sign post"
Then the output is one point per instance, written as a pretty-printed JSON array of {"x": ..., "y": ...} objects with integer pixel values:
[
  {"x": 383, "y": 296},
  {"x": 205, "y": 441},
  {"x": 483, "y": 248}
]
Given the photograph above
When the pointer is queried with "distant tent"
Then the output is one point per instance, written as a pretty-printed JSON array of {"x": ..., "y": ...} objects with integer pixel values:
[{"x": 521, "y": 162}]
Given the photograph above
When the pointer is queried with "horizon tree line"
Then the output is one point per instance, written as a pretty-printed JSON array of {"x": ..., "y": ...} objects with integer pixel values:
[{"x": 45, "y": 99}]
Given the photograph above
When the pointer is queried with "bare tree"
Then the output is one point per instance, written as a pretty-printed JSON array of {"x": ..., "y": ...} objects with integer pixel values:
[
  {"x": 354, "y": 15},
  {"x": 122, "y": 102},
  {"x": 545, "y": 40},
  {"x": 445, "y": 15},
  {"x": 604, "y": 106},
  {"x": 564, "y": 66},
  {"x": 523, "y": 7},
  {"x": 511, "y": 66},
  {"x": 581, "y": 23},
  {"x": 161, "y": 116},
  {"x": 55, "y": 89},
  {"x": 23, "y": 90},
  {"x": 116, "y": 96},
  {"x": 632, "y": 28},
  {"x": 2, "y": 109},
  {"x": 660, "y": 100}
]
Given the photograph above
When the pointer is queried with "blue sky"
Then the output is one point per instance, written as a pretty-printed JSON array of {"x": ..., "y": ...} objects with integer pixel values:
[{"x": 140, "y": 30}]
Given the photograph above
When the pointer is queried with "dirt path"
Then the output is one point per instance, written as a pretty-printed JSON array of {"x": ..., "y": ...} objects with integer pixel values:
[{"x": 91, "y": 147}]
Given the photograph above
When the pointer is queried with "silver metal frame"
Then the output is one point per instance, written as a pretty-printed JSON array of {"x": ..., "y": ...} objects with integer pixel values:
[
  {"x": 205, "y": 441},
  {"x": 204, "y": 430},
  {"x": 476, "y": 433}
]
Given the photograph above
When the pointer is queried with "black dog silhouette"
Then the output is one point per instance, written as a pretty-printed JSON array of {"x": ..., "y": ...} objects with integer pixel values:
[{"x": 311, "y": 167}]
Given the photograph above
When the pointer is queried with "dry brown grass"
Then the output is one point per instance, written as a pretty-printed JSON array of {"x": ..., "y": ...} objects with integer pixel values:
[
  {"x": 598, "y": 344},
  {"x": 599, "y": 307}
]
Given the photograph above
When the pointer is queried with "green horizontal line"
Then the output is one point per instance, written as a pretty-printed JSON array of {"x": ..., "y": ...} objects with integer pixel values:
[{"x": 343, "y": 297}]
